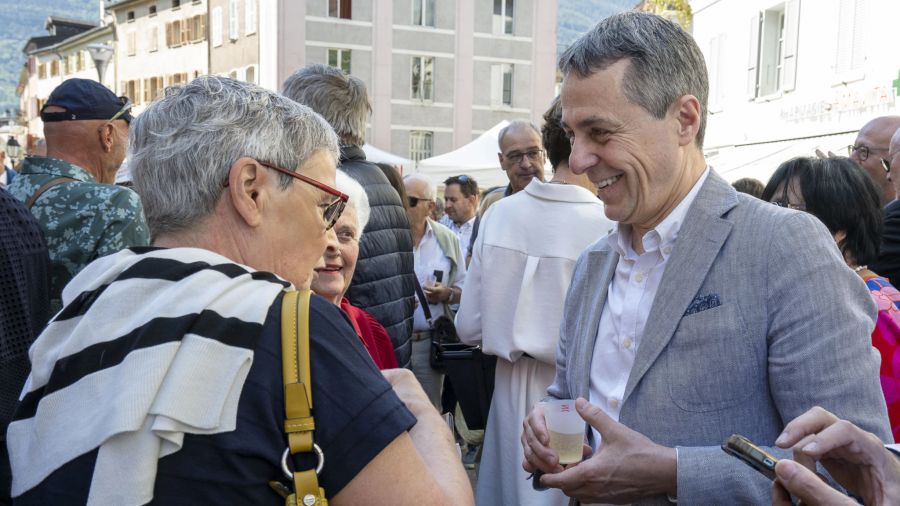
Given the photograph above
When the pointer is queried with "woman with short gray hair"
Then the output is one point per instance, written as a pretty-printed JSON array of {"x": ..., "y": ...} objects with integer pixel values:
[{"x": 168, "y": 358}]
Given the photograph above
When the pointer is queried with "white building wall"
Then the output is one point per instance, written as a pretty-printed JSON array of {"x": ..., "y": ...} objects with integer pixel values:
[
  {"x": 191, "y": 58},
  {"x": 824, "y": 101}
]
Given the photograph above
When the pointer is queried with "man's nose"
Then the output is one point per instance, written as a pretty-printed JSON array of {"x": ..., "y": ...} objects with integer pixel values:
[{"x": 580, "y": 159}]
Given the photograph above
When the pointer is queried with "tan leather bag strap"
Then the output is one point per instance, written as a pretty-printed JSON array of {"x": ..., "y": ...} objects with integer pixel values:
[
  {"x": 46, "y": 186},
  {"x": 299, "y": 423}
]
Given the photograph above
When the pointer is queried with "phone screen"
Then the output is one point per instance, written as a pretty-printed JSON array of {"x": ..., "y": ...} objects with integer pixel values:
[{"x": 438, "y": 276}]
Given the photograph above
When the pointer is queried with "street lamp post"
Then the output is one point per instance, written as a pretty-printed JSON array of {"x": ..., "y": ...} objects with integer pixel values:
[
  {"x": 13, "y": 149},
  {"x": 101, "y": 54}
]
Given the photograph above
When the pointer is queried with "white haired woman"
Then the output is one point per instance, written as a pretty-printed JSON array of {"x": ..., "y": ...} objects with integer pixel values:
[
  {"x": 160, "y": 380},
  {"x": 335, "y": 270}
]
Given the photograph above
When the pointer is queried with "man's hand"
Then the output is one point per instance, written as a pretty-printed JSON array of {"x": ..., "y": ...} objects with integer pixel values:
[
  {"x": 855, "y": 458},
  {"x": 437, "y": 293},
  {"x": 794, "y": 479},
  {"x": 536, "y": 443},
  {"x": 628, "y": 466},
  {"x": 409, "y": 390}
]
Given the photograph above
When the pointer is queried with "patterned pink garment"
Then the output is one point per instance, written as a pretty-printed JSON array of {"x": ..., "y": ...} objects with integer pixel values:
[{"x": 886, "y": 338}]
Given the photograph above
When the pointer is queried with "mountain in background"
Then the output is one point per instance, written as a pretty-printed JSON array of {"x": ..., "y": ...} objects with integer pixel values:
[
  {"x": 575, "y": 17},
  {"x": 20, "y": 20},
  {"x": 23, "y": 19}
]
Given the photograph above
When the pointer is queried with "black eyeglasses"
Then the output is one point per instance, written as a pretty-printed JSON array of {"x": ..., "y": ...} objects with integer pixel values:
[
  {"x": 533, "y": 155},
  {"x": 862, "y": 150},
  {"x": 332, "y": 212},
  {"x": 798, "y": 207},
  {"x": 414, "y": 201}
]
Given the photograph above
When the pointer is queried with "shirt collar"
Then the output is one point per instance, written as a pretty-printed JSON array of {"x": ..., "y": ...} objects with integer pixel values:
[
  {"x": 55, "y": 167},
  {"x": 664, "y": 234}
]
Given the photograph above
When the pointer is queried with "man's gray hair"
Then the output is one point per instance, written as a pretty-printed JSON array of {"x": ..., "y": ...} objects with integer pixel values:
[
  {"x": 516, "y": 124},
  {"x": 340, "y": 98},
  {"x": 430, "y": 190},
  {"x": 358, "y": 198},
  {"x": 182, "y": 147},
  {"x": 665, "y": 61}
]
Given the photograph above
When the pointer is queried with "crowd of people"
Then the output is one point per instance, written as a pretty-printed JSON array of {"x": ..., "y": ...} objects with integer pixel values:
[{"x": 144, "y": 314}]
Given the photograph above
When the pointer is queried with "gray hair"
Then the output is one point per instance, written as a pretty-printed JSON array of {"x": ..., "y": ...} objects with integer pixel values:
[
  {"x": 358, "y": 198},
  {"x": 666, "y": 62},
  {"x": 429, "y": 188},
  {"x": 339, "y": 97},
  {"x": 516, "y": 124},
  {"x": 183, "y": 145}
]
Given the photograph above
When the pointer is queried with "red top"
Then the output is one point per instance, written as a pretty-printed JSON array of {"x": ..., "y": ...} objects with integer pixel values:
[
  {"x": 373, "y": 336},
  {"x": 886, "y": 338}
]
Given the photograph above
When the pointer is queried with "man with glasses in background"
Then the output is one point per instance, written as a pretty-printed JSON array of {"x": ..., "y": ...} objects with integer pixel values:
[
  {"x": 70, "y": 191},
  {"x": 441, "y": 271},
  {"x": 871, "y": 151},
  {"x": 521, "y": 157},
  {"x": 888, "y": 263}
]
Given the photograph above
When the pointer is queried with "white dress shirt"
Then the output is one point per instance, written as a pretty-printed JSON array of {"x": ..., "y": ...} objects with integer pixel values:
[
  {"x": 628, "y": 301},
  {"x": 463, "y": 232},
  {"x": 429, "y": 258}
]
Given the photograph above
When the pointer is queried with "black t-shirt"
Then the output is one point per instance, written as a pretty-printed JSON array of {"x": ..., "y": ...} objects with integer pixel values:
[{"x": 357, "y": 414}]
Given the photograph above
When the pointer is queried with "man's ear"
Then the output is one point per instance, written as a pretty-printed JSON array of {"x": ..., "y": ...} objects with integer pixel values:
[
  {"x": 688, "y": 113},
  {"x": 105, "y": 135},
  {"x": 246, "y": 187}
]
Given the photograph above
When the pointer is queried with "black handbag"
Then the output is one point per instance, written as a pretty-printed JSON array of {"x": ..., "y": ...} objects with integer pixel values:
[
  {"x": 469, "y": 372},
  {"x": 443, "y": 331}
]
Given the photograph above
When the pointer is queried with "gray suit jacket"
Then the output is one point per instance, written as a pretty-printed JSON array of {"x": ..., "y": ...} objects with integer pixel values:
[{"x": 792, "y": 332}]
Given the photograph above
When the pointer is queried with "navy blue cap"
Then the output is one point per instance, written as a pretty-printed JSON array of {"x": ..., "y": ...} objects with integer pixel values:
[{"x": 84, "y": 99}]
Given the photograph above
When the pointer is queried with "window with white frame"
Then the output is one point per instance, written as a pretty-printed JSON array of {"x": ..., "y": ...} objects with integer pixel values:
[
  {"x": 501, "y": 85},
  {"x": 249, "y": 17},
  {"x": 422, "y": 78},
  {"x": 503, "y": 16},
  {"x": 339, "y": 9},
  {"x": 232, "y": 20},
  {"x": 772, "y": 63},
  {"x": 716, "y": 62},
  {"x": 216, "y": 27},
  {"x": 423, "y": 12},
  {"x": 420, "y": 145},
  {"x": 339, "y": 58},
  {"x": 153, "y": 39},
  {"x": 131, "y": 44},
  {"x": 851, "y": 40}
]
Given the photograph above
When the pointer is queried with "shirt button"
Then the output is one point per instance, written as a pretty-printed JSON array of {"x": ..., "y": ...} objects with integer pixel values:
[
  {"x": 614, "y": 403},
  {"x": 640, "y": 277},
  {"x": 627, "y": 343},
  {"x": 667, "y": 250}
]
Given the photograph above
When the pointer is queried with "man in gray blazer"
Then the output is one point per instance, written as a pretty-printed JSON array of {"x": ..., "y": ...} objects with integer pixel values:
[{"x": 706, "y": 312}]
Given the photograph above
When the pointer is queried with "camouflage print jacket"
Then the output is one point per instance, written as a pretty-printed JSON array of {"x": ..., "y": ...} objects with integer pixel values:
[{"x": 81, "y": 220}]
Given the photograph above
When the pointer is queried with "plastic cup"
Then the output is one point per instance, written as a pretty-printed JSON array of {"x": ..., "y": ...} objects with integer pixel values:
[{"x": 566, "y": 428}]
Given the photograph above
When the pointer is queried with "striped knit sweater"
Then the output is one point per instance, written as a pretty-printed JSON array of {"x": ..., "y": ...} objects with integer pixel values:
[{"x": 151, "y": 344}]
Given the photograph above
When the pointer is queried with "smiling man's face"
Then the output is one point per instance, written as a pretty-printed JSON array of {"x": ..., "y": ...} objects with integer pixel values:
[{"x": 630, "y": 155}]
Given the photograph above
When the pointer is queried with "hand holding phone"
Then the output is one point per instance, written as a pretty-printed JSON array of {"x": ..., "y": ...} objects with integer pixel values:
[{"x": 750, "y": 454}]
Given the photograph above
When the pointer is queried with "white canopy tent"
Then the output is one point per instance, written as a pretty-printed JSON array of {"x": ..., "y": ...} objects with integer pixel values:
[
  {"x": 477, "y": 159},
  {"x": 376, "y": 155}
]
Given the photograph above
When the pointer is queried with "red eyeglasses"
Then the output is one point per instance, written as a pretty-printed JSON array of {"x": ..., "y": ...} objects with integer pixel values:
[{"x": 332, "y": 212}]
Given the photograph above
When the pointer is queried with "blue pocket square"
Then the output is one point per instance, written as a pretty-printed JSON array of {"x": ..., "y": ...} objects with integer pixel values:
[{"x": 702, "y": 303}]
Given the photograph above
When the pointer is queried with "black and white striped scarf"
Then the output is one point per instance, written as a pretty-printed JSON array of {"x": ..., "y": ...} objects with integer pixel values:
[{"x": 151, "y": 344}]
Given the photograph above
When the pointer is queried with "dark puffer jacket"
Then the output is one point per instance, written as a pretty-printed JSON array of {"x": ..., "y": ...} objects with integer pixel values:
[{"x": 384, "y": 281}]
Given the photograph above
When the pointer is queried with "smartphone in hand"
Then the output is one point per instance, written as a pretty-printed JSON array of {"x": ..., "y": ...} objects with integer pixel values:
[{"x": 750, "y": 454}]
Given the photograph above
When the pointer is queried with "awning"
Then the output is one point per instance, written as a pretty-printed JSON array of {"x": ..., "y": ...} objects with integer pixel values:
[{"x": 760, "y": 160}]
